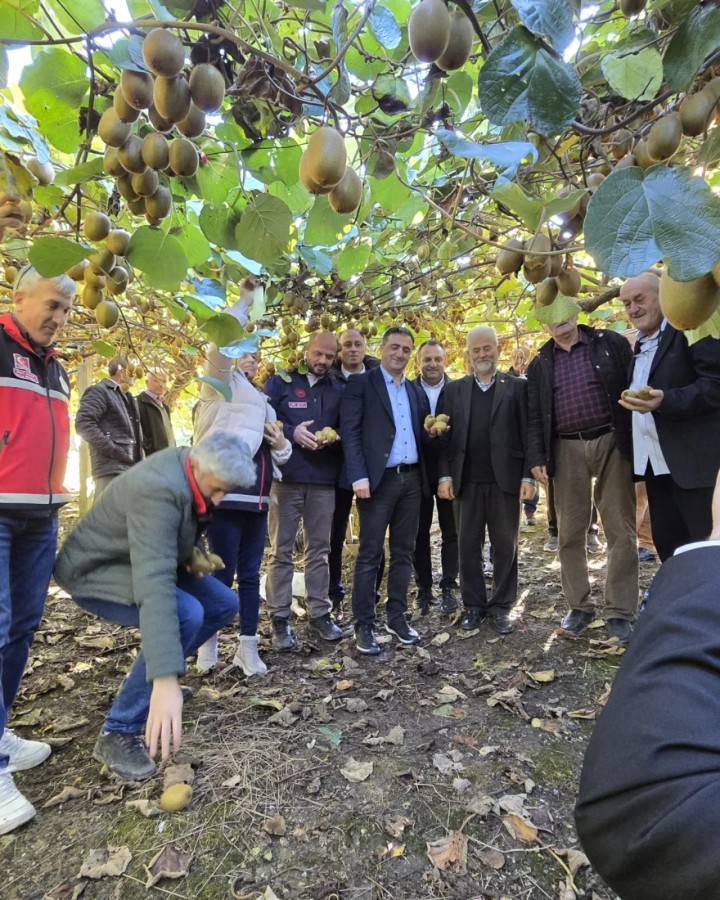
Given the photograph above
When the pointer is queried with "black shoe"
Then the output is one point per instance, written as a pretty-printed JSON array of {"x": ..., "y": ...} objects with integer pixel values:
[
  {"x": 500, "y": 622},
  {"x": 449, "y": 602},
  {"x": 425, "y": 600},
  {"x": 283, "y": 637},
  {"x": 125, "y": 754},
  {"x": 619, "y": 628},
  {"x": 474, "y": 615},
  {"x": 365, "y": 640},
  {"x": 324, "y": 627},
  {"x": 402, "y": 631},
  {"x": 576, "y": 621}
]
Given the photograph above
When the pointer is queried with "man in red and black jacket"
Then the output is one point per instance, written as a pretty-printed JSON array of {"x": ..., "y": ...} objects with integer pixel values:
[{"x": 34, "y": 442}]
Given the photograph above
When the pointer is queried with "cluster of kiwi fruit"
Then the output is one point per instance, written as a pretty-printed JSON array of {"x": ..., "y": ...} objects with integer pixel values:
[
  {"x": 440, "y": 423},
  {"x": 439, "y": 36},
  {"x": 642, "y": 393},
  {"x": 689, "y": 304},
  {"x": 324, "y": 170},
  {"x": 326, "y": 436},
  {"x": 102, "y": 274},
  {"x": 203, "y": 563},
  {"x": 170, "y": 100},
  {"x": 548, "y": 272}
]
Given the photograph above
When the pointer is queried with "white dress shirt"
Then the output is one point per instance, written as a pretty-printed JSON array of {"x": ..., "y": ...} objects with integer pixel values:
[
  {"x": 433, "y": 392},
  {"x": 646, "y": 443}
]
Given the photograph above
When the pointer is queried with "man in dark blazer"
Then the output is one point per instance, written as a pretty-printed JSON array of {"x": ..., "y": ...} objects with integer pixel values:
[
  {"x": 382, "y": 428},
  {"x": 155, "y": 422},
  {"x": 483, "y": 467},
  {"x": 676, "y": 434},
  {"x": 648, "y": 811},
  {"x": 433, "y": 380}
]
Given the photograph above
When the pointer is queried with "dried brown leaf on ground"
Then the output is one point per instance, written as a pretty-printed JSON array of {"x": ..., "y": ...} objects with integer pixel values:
[
  {"x": 68, "y": 890},
  {"x": 446, "y": 763},
  {"x": 492, "y": 858},
  {"x": 576, "y": 859},
  {"x": 170, "y": 862},
  {"x": 605, "y": 696},
  {"x": 440, "y": 639},
  {"x": 275, "y": 826},
  {"x": 284, "y": 718},
  {"x": 396, "y": 827},
  {"x": 520, "y": 828},
  {"x": 67, "y": 793},
  {"x": 449, "y": 694},
  {"x": 356, "y": 772},
  {"x": 345, "y": 685},
  {"x": 481, "y": 805},
  {"x": 449, "y": 851},
  {"x": 101, "y": 642},
  {"x": 355, "y": 705},
  {"x": 105, "y": 862},
  {"x": 147, "y": 808},
  {"x": 178, "y": 773},
  {"x": 68, "y": 723},
  {"x": 395, "y": 736},
  {"x": 543, "y": 677}
]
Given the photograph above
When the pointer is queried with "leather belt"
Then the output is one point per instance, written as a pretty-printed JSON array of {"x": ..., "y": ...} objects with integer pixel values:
[
  {"x": 402, "y": 467},
  {"x": 589, "y": 435}
]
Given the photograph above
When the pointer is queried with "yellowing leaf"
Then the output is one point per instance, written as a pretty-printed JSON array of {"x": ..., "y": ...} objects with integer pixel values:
[
  {"x": 544, "y": 676},
  {"x": 520, "y": 828}
]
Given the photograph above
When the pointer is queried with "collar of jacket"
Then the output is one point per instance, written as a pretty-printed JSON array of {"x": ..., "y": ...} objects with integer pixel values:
[
  {"x": 198, "y": 501},
  {"x": 15, "y": 330}
]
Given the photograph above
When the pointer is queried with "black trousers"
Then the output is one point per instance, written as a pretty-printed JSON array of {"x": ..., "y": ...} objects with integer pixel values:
[
  {"x": 481, "y": 506},
  {"x": 341, "y": 517},
  {"x": 422, "y": 558},
  {"x": 677, "y": 515},
  {"x": 394, "y": 504}
]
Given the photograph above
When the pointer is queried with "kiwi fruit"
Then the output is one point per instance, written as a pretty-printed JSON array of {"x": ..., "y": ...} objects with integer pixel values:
[
  {"x": 130, "y": 155},
  {"x": 117, "y": 280},
  {"x": 594, "y": 180},
  {"x": 136, "y": 88},
  {"x": 345, "y": 197},
  {"x": 159, "y": 204},
  {"x": 124, "y": 111},
  {"x": 429, "y": 30},
  {"x": 91, "y": 296},
  {"x": 163, "y": 53},
  {"x": 510, "y": 258},
  {"x": 538, "y": 244},
  {"x": 555, "y": 265},
  {"x": 111, "y": 163},
  {"x": 77, "y": 272},
  {"x": 137, "y": 206},
  {"x": 107, "y": 313},
  {"x": 112, "y": 131},
  {"x": 10, "y": 274},
  {"x": 687, "y": 304},
  {"x": 153, "y": 220},
  {"x": 184, "y": 157},
  {"x": 568, "y": 281},
  {"x": 546, "y": 292},
  {"x": 155, "y": 151},
  {"x": 145, "y": 183},
  {"x": 632, "y": 7},
  {"x": 307, "y": 182},
  {"x": 625, "y": 162},
  {"x": 664, "y": 137},
  {"x": 193, "y": 124},
  {"x": 207, "y": 87},
  {"x": 44, "y": 172},
  {"x": 124, "y": 187},
  {"x": 460, "y": 43},
  {"x": 171, "y": 98},
  {"x": 164, "y": 126},
  {"x": 96, "y": 226},
  {"x": 642, "y": 156},
  {"x": 695, "y": 112},
  {"x": 326, "y": 157},
  {"x": 715, "y": 272},
  {"x": 94, "y": 279},
  {"x": 621, "y": 143},
  {"x": 117, "y": 241},
  {"x": 536, "y": 275},
  {"x": 102, "y": 261}
]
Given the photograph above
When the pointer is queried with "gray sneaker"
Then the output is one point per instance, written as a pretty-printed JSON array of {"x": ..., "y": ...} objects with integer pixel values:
[
  {"x": 125, "y": 754},
  {"x": 283, "y": 638},
  {"x": 551, "y": 544}
]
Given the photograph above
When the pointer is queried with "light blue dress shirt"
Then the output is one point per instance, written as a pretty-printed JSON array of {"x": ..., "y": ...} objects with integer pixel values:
[{"x": 404, "y": 448}]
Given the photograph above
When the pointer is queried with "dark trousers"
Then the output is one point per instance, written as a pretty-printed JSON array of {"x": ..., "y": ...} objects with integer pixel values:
[
  {"x": 341, "y": 517},
  {"x": 394, "y": 504},
  {"x": 238, "y": 537},
  {"x": 422, "y": 559},
  {"x": 481, "y": 506},
  {"x": 677, "y": 515}
]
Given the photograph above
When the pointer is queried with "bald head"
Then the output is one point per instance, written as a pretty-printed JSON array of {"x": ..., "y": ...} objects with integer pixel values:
[
  {"x": 320, "y": 352},
  {"x": 641, "y": 298},
  {"x": 352, "y": 350}
]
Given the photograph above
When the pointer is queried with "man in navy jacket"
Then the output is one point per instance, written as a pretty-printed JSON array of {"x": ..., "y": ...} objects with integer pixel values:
[
  {"x": 383, "y": 433},
  {"x": 304, "y": 404}
]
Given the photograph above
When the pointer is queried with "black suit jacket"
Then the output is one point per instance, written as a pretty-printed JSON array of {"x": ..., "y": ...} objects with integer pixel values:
[
  {"x": 432, "y": 448},
  {"x": 688, "y": 421},
  {"x": 648, "y": 811},
  {"x": 367, "y": 427},
  {"x": 508, "y": 431}
]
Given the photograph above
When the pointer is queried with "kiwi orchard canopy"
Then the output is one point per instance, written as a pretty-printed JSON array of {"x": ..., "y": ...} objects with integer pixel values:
[{"x": 418, "y": 162}]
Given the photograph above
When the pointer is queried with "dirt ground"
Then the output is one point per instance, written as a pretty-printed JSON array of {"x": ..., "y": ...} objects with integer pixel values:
[{"x": 447, "y": 770}]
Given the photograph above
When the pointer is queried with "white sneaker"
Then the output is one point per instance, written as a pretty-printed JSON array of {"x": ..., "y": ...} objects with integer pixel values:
[
  {"x": 23, "y": 754},
  {"x": 15, "y": 810},
  {"x": 247, "y": 657},
  {"x": 207, "y": 655}
]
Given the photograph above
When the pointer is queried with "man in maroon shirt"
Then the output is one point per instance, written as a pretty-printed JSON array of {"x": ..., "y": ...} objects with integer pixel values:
[{"x": 577, "y": 432}]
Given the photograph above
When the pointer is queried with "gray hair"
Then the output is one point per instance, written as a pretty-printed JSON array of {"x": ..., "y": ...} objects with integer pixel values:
[
  {"x": 481, "y": 331},
  {"x": 117, "y": 362},
  {"x": 225, "y": 455},
  {"x": 31, "y": 279}
]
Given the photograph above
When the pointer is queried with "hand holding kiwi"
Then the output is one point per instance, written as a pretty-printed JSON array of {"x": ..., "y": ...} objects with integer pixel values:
[
  {"x": 437, "y": 425},
  {"x": 649, "y": 399},
  {"x": 326, "y": 436}
]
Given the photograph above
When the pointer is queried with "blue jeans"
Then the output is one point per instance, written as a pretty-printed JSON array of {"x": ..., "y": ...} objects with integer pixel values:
[
  {"x": 238, "y": 537},
  {"x": 204, "y": 606},
  {"x": 27, "y": 554}
]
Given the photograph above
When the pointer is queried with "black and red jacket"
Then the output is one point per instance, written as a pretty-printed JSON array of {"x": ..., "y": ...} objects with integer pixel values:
[{"x": 34, "y": 425}]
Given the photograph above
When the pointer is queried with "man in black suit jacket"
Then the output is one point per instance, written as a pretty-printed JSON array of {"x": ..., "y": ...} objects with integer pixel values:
[
  {"x": 483, "y": 467},
  {"x": 648, "y": 812},
  {"x": 676, "y": 434},
  {"x": 432, "y": 379},
  {"x": 381, "y": 421}
]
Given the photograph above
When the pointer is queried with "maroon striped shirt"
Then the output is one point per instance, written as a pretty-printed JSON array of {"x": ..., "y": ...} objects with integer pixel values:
[{"x": 579, "y": 399}]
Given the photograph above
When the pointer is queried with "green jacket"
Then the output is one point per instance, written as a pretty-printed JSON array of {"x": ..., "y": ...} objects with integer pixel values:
[{"x": 128, "y": 547}]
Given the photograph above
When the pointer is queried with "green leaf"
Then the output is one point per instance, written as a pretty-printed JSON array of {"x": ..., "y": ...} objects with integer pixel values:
[
  {"x": 220, "y": 386},
  {"x": 711, "y": 328},
  {"x": 534, "y": 212},
  {"x": 52, "y": 256},
  {"x": 218, "y": 177},
  {"x": 194, "y": 244},
  {"x": 159, "y": 256},
  {"x": 636, "y": 217},
  {"x": 16, "y": 20},
  {"x": 710, "y": 150},
  {"x": 218, "y": 224},
  {"x": 54, "y": 85},
  {"x": 25, "y": 129},
  {"x": 550, "y": 18},
  {"x": 4, "y": 66},
  {"x": 695, "y": 39},
  {"x": 263, "y": 232},
  {"x": 522, "y": 81},
  {"x": 317, "y": 261},
  {"x": 634, "y": 75},
  {"x": 354, "y": 258},
  {"x": 104, "y": 349},
  {"x": 323, "y": 226},
  {"x": 222, "y": 329},
  {"x": 312, "y": 5},
  {"x": 561, "y": 309},
  {"x": 79, "y": 16},
  {"x": 385, "y": 28},
  {"x": 507, "y": 155},
  {"x": 79, "y": 174}
]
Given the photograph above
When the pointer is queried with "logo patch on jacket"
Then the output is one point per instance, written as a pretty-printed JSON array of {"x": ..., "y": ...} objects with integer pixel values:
[
  {"x": 300, "y": 392},
  {"x": 22, "y": 368}
]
